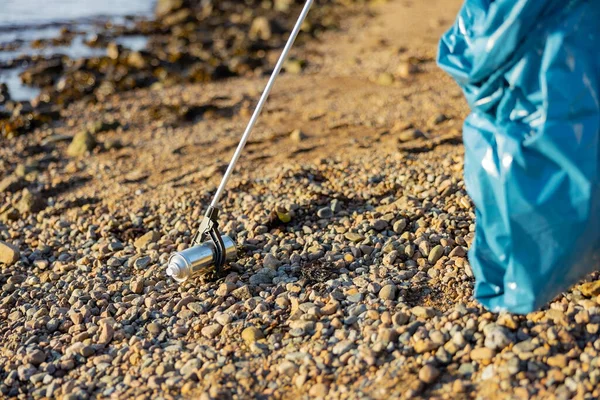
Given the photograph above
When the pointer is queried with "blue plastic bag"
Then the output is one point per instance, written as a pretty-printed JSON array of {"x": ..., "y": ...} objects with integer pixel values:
[{"x": 530, "y": 72}]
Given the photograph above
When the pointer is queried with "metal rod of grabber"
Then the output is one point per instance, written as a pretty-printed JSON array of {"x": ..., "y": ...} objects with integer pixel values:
[{"x": 261, "y": 103}]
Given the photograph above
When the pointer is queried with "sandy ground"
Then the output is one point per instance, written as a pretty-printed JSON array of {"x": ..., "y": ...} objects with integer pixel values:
[{"x": 365, "y": 293}]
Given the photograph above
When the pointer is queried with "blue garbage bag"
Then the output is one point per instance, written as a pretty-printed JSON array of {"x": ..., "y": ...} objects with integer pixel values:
[{"x": 530, "y": 72}]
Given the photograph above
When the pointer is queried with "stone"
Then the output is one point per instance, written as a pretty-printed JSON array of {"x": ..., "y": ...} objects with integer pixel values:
[
  {"x": 144, "y": 240},
  {"x": 354, "y": 237},
  {"x": 211, "y": 331},
  {"x": 399, "y": 226},
  {"x": 297, "y": 135},
  {"x": 30, "y": 202},
  {"x": 435, "y": 254},
  {"x": 242, "y": 293},
  {"x": 428, "y": 374},
  {"x": 400, "y": 318},
  {"x": 252, "y": 334},
  {"x": 388, "y": 292},
  {"x": 154, "y": 328},
  {"x": 9, "y": 254},
  {"x": 424, "y": 346},
  {"x": 225, "y": 288},
  {"x": 379, "y": 224},
  {"x": 411, "y": 134},
  {"x": 385, "y": 79},
  {"x": 406, "y": 69},
  {"x": 82, "y": 143},
  {"x": 165, "y": 7},
  {"x": 260, "y": 29},
  {"x": 35, "y": 357},
  {"x": 271, "y": 262},
  {"x": 137, "y": 286},
  {"x": 482, "y": 354},
  {"x": 319, "y": 390},
  {"x": 497, "y": 338},
  {"x": 342, "y": 347},
  {"x": 422, "y": 312},
  {"x": 325, "y": 213},
  {"x": 558, "y": 360},
  {"x": 260, "y": 279},
  {"x": 294, "y": 66},
  {"x": 106, "y": 334},
  {"x": 590, "y": 289},
  {"x": 287, "y": 368}
]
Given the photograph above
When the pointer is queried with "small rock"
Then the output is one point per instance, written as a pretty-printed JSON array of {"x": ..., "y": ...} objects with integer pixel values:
[
  {"x": 400, "y": 318},
  {"x": 422, "y": 312},
  {"x": 424, "y": 346},
  {"x": 590, "y": 289},
  {"x": 36, "y": 357},
  {"x": 154, "y": 328},
  {"x": 31, "y": 202},
  {"x": 410, "y": 134},
  {"x": 497, "y": 338},
  {"x": 82, "y": 143},
  {"x": 225, "y": 288},
  {"x": 294, "y": 66},
  {"x": 287, "y": 368},
  {"x": 399, "y": 226},
  {"x": 482, "y": 354},
  {"x": 252, "y": 334},
  {"x": 9, "y": 254},
  {"x": 211, "y": 331},
  {"x": 325, "y": 213},
  {"x": 354, "y": 237},
  {"x": 388, "y": 292},
  {"x": 146, "y": 239},
  {"x": 435, "y": 254},
  {"x": 380, "y": 224},
  {"x": 297, "y": 135},
  {"x": 559, "y": 361},
  {"x": 242, "y": 293},
  {"x": 318, "y": 390},
  {"x": 428, "y": 373},
  {"x": 342, "y": 347},
  {"x": 260, "y": 29},
  {"x": 106, "y": 334},
  {"x": 385, "y": 79},
  {"x": 137, "y": 286},
  {"x": 406, "y": 69},
  {"x": 271, "y": 261}
]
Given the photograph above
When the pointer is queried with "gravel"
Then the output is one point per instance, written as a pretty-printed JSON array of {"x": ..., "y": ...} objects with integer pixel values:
[{"x": 361, "y": 288}]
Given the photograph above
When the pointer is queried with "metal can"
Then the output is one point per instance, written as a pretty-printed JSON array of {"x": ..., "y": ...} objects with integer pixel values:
[{"x": 198, "y": 260}]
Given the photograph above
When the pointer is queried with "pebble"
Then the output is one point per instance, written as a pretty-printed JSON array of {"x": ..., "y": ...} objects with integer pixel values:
[
  {"x": 9, "y": 254},
  {"x": 297, "y": 135},
  {"x": 435, "y": 254},
  {"x": 590, "y": 289},
  {"x": 422, "y": 312},
  {"x": 399, "y": 226},
  {"x": 252, "y": 334},
  {"x": 428, "y": 374},
  {"x": 388, "y": 292},
  {"x": 482, "y": 354},
  {"x": 144, "y": 240},
  {"x": 82, "y": 143},
  {"x": 211, "y": 331},
  {"x": 271, "y": 261},
  {"x": 325, "y": 213},
  {"x": 354, "y": 237}
]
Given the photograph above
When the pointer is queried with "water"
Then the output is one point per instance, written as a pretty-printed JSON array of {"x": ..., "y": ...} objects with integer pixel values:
[
  {"x": 27, "y": 13},
  {"x": 27, "y": 20}
]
